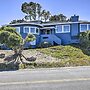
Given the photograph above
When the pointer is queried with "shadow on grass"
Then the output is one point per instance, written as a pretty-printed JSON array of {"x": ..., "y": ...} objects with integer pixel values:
[{"x": 8, "y": 67}]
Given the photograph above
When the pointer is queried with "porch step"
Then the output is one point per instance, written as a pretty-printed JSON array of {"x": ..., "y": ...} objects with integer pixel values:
[
  {"x": 51, "y": 38},
  {"x": 56, "y": 39}
]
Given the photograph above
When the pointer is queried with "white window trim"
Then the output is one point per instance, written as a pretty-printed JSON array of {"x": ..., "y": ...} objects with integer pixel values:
[
  {"x": 33, "y": 42},
  {"x": 26, "y": 27},
  {"x": 86, "y": 29},
  {"x": 30, "y": 29},
  {"x": 57, "y": 28},
  {"x": 34, "y": 31},
  {"x": 62, "y": 27},
  {"x": 18, "y": 28}
]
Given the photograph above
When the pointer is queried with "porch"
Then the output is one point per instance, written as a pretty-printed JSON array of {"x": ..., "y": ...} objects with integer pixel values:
[{"x": 48, "y": 35}]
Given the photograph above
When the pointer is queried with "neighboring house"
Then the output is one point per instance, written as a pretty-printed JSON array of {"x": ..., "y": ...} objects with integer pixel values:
[{"x": 56, "y": 33}]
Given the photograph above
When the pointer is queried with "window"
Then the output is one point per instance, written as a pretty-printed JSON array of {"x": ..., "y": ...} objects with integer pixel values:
[
  {"x": 88, "y": 26},
  {"x": 62, "y": 28},
  {"x": 32, "y": 30},
  {"x": 66, "y": 28},
  {"x": 26, "y": 29},
  {"x": 17, "y": 29},
  {"x": 45, "y": 37},
  {"x": 33, "y": 42},
  {"x": 37, "y": 30},
  {"x": 58, "y": 28},
  {"x": 83, "y": 27}
]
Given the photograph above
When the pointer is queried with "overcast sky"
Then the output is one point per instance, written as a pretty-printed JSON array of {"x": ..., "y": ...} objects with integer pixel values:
[{"x": 11, "y": 9}]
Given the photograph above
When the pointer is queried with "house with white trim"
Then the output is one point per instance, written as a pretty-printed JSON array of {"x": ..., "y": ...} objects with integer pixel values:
[{"x": 56, "y": 33}]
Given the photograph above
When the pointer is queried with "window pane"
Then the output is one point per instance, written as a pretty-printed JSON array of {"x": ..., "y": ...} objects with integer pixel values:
[
  {"x": 66, "y": 28},
  {"x": 26, "y": 29},
  {"x": 33, "y": 42},
  {"x": 37, "y": 30},
  {"x": 83, "y": 27},
  {"x": 18, "y": 29},
  {"x": 32, "y": 30},
  {"x": 59, "y": 29},
  {"x": 89, "y": 26}
]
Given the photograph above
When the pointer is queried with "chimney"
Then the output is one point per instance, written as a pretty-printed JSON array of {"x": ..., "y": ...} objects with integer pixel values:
[{"x": 74, "y": 18}]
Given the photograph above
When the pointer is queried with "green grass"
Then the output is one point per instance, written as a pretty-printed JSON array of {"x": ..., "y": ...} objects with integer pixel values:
[{"x": 70, "y": 55}]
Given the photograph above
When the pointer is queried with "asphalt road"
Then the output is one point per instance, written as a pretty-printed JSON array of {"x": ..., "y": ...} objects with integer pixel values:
[{"x": 77, "y": 78}]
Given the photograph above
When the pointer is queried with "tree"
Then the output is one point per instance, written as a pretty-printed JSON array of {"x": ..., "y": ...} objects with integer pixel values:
[
  {"x": 29, "y": 9},
  {"x": 60, "y": 18},
  {"x": 34, "y": 11},
  {"x": 17, "y": 21},
  {"x": 45, "y": 15},
  {"x": 13, "y": 40},
  {"x": 85, "y": 39},
  {"x": 39, "y": 11}
]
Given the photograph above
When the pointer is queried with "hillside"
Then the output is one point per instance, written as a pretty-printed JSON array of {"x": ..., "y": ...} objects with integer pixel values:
[
  {"x": 56, "y": 56},
  {"x": 70, "y": 55}
]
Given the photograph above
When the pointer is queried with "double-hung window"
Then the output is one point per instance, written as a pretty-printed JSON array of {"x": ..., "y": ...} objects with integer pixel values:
[
  {"x": 26, "y": 29},
  {"x": 17, "y": 29},
  {"x": 62, "y": 28},
  {"x": 66, "y": 28},
  {"x": 58, "y": 28},
  {"x": 88, "y": 26},
  {"x": 83, "y": 27},
  {"x": 33, "y": 30}
]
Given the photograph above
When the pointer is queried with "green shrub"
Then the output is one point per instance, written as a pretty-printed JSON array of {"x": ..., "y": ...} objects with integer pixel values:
[
  {"x": 44, "y": 44},
  {"x": 4, "y": 67}
]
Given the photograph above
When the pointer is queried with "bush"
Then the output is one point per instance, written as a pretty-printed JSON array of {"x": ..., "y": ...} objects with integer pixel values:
[
  {"x": 44, "y": 44},
  {"x": 22, "y": 66},
  {"x": 8, "y": 67}
]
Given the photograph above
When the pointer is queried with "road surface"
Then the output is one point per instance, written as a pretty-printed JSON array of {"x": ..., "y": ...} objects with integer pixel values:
[{"x": 77, "y": 78}]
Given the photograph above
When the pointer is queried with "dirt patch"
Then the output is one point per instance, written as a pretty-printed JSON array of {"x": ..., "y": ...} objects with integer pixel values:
[{"x": 40, "y": 57}]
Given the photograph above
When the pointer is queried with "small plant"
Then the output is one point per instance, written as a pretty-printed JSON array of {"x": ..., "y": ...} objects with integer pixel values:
[
  {"x": 22, "y": 66},
  {"x": 44, "y": 44}
]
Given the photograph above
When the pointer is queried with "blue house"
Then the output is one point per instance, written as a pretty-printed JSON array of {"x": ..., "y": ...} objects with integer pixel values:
[{"x": 56, "y": 33}]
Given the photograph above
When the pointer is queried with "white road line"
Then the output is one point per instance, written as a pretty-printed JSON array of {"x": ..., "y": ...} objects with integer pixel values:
[{"x": 45, "y": 81}]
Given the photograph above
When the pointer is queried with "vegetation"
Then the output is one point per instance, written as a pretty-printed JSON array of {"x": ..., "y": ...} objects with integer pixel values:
[
  {"x": 14, "y": 40},
  {"x": 17, "y": 21},
  {"x": 34, "y": 11},
  {"x": 85, "y": 39},
  {"x": 70, "y": 55},
  {"x": 67, "y": 56},
  {"x": 44, "y": 45},
  {"x": 60, "y": 18}
]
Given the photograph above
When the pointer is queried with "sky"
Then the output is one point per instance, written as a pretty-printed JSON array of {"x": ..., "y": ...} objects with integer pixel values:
[{"x": 11, "y": 9}]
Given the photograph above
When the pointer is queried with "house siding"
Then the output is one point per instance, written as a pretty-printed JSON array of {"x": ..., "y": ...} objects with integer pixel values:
[
  {"x": 65, "y": 38},
  {"x": 74, "y": 29},
  {"x": 62, "y": 37}
]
